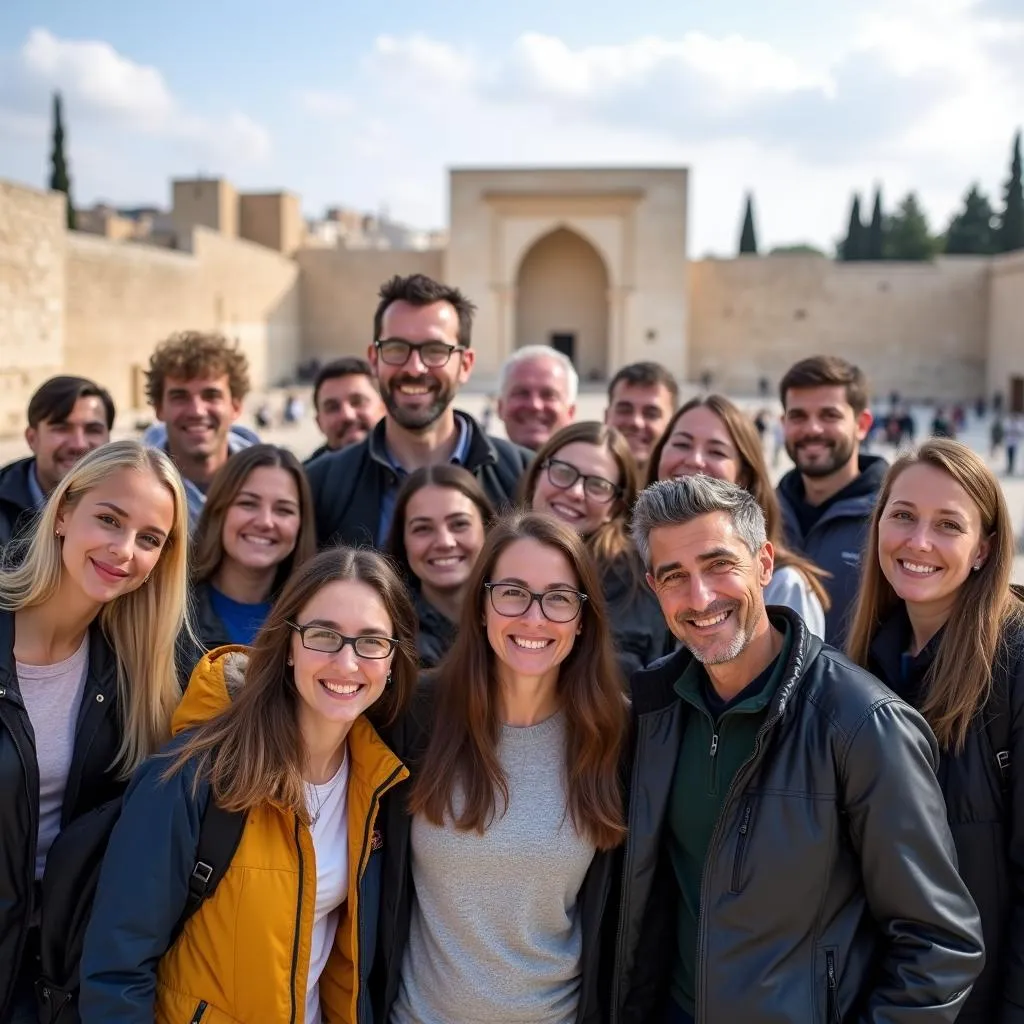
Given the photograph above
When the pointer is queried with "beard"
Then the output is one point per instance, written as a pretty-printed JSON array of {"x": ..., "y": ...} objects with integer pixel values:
[
  {"x": 840, "y": 451},
  {"x": 441, "y": 397}
]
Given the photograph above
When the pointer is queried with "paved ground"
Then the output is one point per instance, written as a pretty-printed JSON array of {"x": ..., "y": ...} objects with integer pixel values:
[{"x": 302, "y": 438}]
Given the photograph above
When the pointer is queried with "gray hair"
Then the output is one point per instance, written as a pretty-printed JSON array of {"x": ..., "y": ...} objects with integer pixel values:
[
  {"x": 572, "y": 378},
  {"x": 678, "y": 501}
]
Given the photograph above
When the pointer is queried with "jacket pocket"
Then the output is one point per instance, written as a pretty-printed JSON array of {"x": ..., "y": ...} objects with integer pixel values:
[
  {"x": 741, "y": 849},
  {"x": 831, "y": 989},
  {"x": 200, "y": 1012}
]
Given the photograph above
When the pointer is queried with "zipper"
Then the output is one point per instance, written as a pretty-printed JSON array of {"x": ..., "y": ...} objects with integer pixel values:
[
  {"x": 741, "y": 847},
  {"x": 832, "y": 1010},
  {"x": 709, "y": 860},
  {"x": 712, "y": 755},
  {"x": 200, "y": 1012},
  {"x": 298, "y": 924},
  {"x": 363, "y": 861},
  {"x": 620, "y": 931}
]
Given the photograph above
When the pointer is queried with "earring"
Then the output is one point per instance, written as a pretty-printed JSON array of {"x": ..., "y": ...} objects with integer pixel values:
[
  {"x": 57, "y": 534},
  {"x": 387, "y": 682},
  {"x": 977, "y": 566}
]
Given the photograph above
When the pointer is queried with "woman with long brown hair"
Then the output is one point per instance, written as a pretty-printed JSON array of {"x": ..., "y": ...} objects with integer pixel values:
[
  {"x": 257, "y": 524},
  {"x": 437, "y": 532},
  {"x": 503, "y": 858},
  {"x": 585, "y": 475},
  {"x": 937, "y": 620},
  {"x": 713, "y": 436},
  {"x": 286, "y": 934}
]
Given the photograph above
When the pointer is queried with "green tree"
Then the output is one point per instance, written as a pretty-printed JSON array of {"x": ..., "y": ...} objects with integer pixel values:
[
  {"x": 60, "y": 180},
  {"x": 971, "y": 231},
  {"x": 796, "y": 249},
  {"x": 853, "y": 246},
  {"x": 876, "y": 232},
  {"x": 907, "y": 236},
  {"x": 1010, "y": 234},
  {"x": 748, "y": 236}
]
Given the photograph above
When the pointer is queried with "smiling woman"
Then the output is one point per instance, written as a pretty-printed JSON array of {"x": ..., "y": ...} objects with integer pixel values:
[
  {"x": 255, "y": 528},
  {"x": 282, "y": 736},
  {"x": 88, "y": 622}
]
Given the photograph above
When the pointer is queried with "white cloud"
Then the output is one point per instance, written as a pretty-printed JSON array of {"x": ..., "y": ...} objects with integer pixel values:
[{"x": 324, "y": 102}]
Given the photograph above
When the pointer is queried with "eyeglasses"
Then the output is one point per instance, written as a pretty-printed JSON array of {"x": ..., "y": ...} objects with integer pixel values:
[
  {"x": 324, "y": 640},
  {"x": 396, "y": 351},
  {"x": 511, "y": 601},
  {"x": 563, "y": 476}
]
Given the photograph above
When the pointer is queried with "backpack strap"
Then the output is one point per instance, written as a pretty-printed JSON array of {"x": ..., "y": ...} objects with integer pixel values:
[{"x": 220, "y": 832}]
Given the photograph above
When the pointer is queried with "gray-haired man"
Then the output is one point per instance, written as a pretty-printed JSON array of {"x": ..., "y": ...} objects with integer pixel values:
[{"x": 788, "y": 856}]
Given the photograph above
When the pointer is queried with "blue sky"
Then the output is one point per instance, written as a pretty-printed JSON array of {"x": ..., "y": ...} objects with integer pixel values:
[{"x": 367, "y": 105}]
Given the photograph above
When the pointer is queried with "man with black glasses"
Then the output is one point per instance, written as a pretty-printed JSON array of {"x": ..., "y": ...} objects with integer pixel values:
[{"x": 421, "y": 356}]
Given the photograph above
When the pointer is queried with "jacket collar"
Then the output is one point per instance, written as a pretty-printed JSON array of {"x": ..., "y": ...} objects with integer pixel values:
[
  {"x": 15, "y": 486},
  {"x": 654, "y": 687}
]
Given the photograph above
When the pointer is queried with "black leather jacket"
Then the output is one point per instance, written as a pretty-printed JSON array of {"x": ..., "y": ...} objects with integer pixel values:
[
  {"x": 348, "y": 484},
  {"x": 986, "y": 817},
  {"x": 91, "y": 782},
  {"x": 830, "y": 889}
]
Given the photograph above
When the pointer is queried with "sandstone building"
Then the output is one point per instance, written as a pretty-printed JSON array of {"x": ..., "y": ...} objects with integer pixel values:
[{"x": 593, "y": 262}]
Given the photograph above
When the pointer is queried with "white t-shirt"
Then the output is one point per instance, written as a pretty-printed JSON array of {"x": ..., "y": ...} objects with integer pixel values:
[
  {"x": 328, "y": 805},
  {"x": 53, "y": 696}
]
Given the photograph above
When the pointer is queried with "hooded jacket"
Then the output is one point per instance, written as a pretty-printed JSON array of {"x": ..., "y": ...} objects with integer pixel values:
[
  {"x": 835, "y": 542},
  {"x": 830, "y": 889},
  {"x": 92, "y": 781},
  {"x": 243, "y": 957},
  {"x": 348, "y": 485}
]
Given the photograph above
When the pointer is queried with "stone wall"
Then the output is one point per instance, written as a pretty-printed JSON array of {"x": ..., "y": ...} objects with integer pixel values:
[
  {"x": 123, "y": 299},
  {"x": 32, "y": 237},
  {"x": 339, "y": 294},
  {"x": 1006, "y": 325},
  {"x": 921, "y": 329}
]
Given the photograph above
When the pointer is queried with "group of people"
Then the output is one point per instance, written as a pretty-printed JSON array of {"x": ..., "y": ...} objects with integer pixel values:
[{"x": 590, "y": 724}]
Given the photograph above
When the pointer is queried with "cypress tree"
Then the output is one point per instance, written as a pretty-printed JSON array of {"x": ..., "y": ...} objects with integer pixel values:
[
  {"x": 853, "y": 247},
  {"x": 748, "y": 236},
  {"x": 876, "y": 232},
  {"x": 60, "y": 181},
  {"x": 1010, "y": 234}
]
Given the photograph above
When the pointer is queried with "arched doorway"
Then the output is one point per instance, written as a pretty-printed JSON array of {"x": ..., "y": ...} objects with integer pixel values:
[{"x": 562, "y": 300}]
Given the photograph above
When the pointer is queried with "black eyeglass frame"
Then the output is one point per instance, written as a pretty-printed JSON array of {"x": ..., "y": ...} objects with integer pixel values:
[
  {"x": 539, "y": 599},
  {"x": 616, "y": 492},
  {"x": 418, "y": 347},
  {"x": 345, "y": 640}
]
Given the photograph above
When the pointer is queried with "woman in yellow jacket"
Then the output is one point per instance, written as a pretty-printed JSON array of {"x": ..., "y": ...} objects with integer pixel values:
[{"x": 282, "y": 735}]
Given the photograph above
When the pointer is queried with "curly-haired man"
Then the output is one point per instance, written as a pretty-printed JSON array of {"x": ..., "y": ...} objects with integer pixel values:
[{"x": 196, "y": 383}]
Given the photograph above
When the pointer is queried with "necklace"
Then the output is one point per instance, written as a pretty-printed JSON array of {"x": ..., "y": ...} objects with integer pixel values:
[{"x": 328, "y": 788}]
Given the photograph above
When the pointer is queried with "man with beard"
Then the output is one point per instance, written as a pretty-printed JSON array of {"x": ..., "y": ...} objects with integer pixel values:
[
  {"x": 347, "y": 403},
  {"x": 421, "y": 355},
  {"x": 537, "y": 388},
  {"x": 67, "y": 417},
  {"x": 788, "y": 856},
  {"x": 196, "y": 383},
  {"x": 828, "y": 498}
]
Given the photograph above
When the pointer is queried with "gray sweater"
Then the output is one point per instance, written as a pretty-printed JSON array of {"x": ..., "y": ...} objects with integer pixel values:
[{"x": 495, "y": 933}]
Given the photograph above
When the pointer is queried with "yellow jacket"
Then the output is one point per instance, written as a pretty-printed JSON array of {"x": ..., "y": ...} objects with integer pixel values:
[{"x": 244, "y": 956}]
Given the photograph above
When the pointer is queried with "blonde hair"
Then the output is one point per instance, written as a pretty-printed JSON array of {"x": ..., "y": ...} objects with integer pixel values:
[
  {"x": 959, "y": 680},
  {"x": 142, "y": 626}
]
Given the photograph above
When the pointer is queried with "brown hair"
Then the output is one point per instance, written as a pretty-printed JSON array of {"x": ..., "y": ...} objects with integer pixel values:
[
  {"x": 644, "y": 375},
  {"x": 464, "y": 738},
  {"x": 189, "y": 355},
  {"x": 252, "y": 753},
  {"x": 610, "y": 541},
  {"x": 454, "y": 478},
  {"x": 959, "y": 679},
  {"x": 420, "y": 290},
  {"x": 753, "y": 477},
  {"x": 827, "y": 371},
  {"x": 207, "y": 541}
]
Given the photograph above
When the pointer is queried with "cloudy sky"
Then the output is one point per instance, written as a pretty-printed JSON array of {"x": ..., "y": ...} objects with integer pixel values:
[{"x": 801, "y": 101}]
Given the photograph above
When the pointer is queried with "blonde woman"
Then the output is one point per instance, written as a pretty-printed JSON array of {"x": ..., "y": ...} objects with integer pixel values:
[
  {"x": 938, "y": 622},
  {"x": 88, "y": 623}
]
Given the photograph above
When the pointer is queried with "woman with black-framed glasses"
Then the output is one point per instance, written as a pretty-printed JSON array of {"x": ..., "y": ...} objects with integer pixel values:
[
  {"x": 502, "y": 854},
  {"x": 586, "y": 476},
  {"x": 282, "y": 737}
]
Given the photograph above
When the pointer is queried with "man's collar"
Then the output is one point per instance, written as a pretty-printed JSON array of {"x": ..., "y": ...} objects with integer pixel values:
[
  {"x": 459, "y": 453},
  {"x": 35, "y": 488}
]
